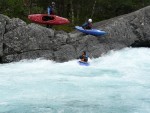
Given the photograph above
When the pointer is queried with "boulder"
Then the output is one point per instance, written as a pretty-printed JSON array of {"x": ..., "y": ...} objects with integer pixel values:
[{"x": 21, "y": 41}]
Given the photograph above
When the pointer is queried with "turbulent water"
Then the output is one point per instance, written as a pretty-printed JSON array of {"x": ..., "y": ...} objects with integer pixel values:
[{"x": 118, "y": 82}]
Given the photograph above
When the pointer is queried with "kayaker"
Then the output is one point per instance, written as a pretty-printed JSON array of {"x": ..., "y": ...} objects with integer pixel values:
[
  {"x": 84, "y": 57},
  {"x": 51, "y": 9},
  {"x": 88, "y": 24}
]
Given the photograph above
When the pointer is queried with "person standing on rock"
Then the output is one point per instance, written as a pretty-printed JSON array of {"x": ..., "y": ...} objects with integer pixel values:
[
  {"x": 51, "y": 9},
  {"x": 84, "y": 57},
  {"x": 88, "y": 24}
]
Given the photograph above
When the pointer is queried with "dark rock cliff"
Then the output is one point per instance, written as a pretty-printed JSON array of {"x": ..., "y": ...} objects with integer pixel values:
[{"x": 21, "y": 41}]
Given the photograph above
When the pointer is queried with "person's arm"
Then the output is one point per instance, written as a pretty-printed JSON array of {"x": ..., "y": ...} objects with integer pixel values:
[
  {"x": 49, "y": 10},
  {"x": 84, "y": 25},
  {"x": 81, "y": 57}
]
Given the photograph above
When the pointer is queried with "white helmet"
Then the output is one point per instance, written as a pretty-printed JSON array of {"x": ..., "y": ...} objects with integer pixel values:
[
  {"x": 90, "y": 20},
  {"x": 53, "y": 3}
]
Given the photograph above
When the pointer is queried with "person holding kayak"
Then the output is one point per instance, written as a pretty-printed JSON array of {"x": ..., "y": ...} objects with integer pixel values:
[
  {"x": 51, "y": 9},
  {"x": 84, "y": 57},
  {"x": 88, "y": 24}
]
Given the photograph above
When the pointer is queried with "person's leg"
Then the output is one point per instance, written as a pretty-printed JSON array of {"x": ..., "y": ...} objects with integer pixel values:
[
  {"x": 47, "y": 25},
  {"x": 50, "y": 26}
]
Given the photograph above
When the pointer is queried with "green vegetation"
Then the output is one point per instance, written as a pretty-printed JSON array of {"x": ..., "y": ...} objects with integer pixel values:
[{"x": 77, "y": 11}]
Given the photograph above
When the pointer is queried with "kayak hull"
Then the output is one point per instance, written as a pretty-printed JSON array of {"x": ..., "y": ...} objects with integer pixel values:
[
  {"x": 48, "y": 19},
  {"x": 83, "y": 63},
  {"x": 94, "y": 32}
]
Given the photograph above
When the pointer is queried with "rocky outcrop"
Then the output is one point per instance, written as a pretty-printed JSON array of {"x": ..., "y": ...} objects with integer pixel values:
[{"x": 21, "y": 41}]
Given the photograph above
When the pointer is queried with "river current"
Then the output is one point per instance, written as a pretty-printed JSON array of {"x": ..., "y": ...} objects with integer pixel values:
[{"x": 118, "y": 82}]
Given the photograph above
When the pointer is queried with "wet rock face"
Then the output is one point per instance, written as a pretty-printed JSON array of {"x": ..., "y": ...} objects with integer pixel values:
[{"x": 21, "y": 41}]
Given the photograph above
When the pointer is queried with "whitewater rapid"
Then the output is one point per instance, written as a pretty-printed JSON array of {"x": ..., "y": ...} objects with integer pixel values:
[{"x": 118, "y": 82}]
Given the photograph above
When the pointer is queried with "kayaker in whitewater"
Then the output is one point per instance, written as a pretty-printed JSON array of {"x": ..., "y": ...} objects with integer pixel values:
[
  {"x": 84, "y": 57},
  {"x": 88, "y": 24},
  {"x": 51, "y": 9}
]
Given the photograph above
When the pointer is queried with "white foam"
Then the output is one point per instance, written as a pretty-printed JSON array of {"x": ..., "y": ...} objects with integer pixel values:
[{"x": 117, "y": 82}]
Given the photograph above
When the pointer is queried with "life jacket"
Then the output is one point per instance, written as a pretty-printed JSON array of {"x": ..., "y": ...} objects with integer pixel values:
[
  {"x": 85, "y": 57},
  {"x": 87, "y": 25},
  {"x": 90, "y": 25},
  {"x": 50, "y": 11}
]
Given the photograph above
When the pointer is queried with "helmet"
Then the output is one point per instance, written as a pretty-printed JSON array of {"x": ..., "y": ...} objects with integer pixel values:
[
  {"x": 53, "y": 3},
  {"x": 90, "y": 20}
]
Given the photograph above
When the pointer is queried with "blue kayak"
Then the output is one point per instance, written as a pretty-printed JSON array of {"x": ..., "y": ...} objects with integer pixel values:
[
  {"x": 94, "y": 32},
  {"x": 83, "y": 63}
]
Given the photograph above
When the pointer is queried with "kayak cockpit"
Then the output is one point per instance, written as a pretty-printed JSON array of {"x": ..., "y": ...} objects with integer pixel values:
[{"x": 47, "y": 18}]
